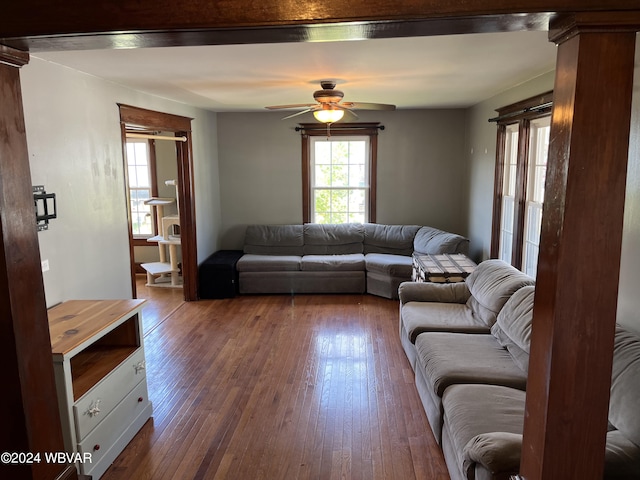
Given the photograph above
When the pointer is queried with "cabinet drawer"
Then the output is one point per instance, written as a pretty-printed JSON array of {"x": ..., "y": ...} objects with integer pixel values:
[
  {"x": 106, "y": 441},
  {"x": 96, "y": 404}
]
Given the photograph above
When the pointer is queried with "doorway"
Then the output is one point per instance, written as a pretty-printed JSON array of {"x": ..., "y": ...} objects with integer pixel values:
[{"x": 139, "y": 119}]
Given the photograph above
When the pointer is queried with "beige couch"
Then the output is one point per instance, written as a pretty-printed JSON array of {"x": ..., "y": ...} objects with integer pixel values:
[{"x": 468, "y": 344}]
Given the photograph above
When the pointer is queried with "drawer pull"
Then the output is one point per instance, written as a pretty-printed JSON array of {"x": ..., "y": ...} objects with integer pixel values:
[
  {"x": 94, "y": 409},
  {"x": 96, "y": 447},
  {"x": 140, "y": 399},
  {"x": 139, "y": 367}
]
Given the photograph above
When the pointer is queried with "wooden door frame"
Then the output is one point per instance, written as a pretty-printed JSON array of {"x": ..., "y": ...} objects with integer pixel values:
[{"x": 131, "y": 116}]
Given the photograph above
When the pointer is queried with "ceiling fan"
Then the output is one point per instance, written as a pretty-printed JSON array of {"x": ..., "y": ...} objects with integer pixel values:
[{"x": 330, "y": 107}]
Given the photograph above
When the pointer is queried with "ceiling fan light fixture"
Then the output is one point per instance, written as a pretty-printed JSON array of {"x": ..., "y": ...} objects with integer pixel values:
[{"x": 328, "y": 115}]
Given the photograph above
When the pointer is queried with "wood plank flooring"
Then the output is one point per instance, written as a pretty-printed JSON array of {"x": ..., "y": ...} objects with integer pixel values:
[{"x": 281, "y": 387}]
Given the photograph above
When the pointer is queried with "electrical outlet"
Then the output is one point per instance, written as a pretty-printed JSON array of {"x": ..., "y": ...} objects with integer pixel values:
[{"x": 45, "y": 265}]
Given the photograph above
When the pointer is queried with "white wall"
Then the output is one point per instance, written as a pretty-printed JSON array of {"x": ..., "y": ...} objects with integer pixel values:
[
  {"x": 628, "y": 298},
  {"x": 421, "y": 169},
  {"x": 75, "y": 150},
  {"x": 482, "y": 154}
]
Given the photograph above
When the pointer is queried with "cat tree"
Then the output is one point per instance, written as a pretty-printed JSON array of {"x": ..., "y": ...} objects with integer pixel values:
[{"x": 166, "y": 272}]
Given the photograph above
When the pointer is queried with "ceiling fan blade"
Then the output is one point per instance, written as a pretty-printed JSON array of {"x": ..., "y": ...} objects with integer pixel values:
[
  {"x": 369, "y": 106},
  {"x": 299, "y": 113},
  {"x": 346, "y": 108},
  {"x": 296, "y": 105}
]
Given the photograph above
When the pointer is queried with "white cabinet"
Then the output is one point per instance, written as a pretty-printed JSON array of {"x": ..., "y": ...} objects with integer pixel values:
[{"x": 100, "y": 373}]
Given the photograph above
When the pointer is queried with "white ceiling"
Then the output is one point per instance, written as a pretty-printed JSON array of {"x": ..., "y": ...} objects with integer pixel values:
[{"x": 415, "y": 72}]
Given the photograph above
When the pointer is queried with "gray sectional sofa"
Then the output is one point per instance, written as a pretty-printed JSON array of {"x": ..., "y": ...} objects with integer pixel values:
[
  {"x": 468, "y": 344},
  {"x": 346, "y": 258}
]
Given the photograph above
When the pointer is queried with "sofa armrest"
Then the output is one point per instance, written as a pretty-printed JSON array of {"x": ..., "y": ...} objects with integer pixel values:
[
  {"x": 497, "y": 452},
  {"x": 433, "y": 292}
]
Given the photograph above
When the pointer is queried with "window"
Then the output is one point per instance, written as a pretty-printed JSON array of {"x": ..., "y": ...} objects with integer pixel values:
[
  {"x": 339, "y": 173},
  {"x": 140, "y": 184},
  {"x": 339, "y": 180},
  {"x": 521, "y": 166},
  {"x": 538, "y": 151}
]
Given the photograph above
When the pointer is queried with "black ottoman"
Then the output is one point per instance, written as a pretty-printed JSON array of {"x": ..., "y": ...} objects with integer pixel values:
[{"x": 218, "y": 275}]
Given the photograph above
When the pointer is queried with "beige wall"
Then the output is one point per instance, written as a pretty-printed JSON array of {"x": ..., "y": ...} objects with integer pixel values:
[
  {"x": 75, "y": 150},
  {"x": 421, "y": 169}
]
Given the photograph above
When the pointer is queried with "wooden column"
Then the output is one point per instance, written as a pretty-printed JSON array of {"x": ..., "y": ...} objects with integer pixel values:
[
  {"x": 577, "y": 284},
  {"x": 29, "y": 406}
]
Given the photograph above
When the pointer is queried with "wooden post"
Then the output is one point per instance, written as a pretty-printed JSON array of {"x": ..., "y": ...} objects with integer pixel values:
[
  {"x": 577, "y": 283},
  {"x": 31, "y": 421}
]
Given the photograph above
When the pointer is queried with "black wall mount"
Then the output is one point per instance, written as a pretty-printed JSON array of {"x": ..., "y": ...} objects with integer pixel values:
[{"x": 45, "y": 205}]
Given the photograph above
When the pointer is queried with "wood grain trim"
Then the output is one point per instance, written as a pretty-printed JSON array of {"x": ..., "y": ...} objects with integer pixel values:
[
  {"x": 577, "y": 286},
  {"x": 12, "y": 57},
  {"x": 30, "y": 406},
  {"x": 498, "y": 191},
  {"x": 180, "y": 126}
]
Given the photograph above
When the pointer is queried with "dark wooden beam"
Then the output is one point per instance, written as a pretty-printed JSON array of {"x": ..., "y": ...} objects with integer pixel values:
[
  {"x": 31, "y": 421},
  {"x": 578, "y": 270},
  {"x": 355, "y": 30},
  {"x": 39, "y": 25}
]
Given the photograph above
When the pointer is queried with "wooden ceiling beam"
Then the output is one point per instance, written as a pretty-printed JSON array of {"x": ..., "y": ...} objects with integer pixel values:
[{"x": 43, "y": 25}]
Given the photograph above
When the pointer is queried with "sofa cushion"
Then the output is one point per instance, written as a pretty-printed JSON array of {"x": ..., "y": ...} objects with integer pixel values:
[
  {"x": 392, "y": 265},
  {"x": 513, "y": 327},
  {"x": 429, "y": 240},
  {"x": 621, "y": 458},
  {"x": 454, "y": 358},
  {"x": 274, "y": 240},
  {"x": 268, "y": 263},
  {"x": 333, "y": 263},
  {"x": 392, "y": 239},
  {"x": 491, "y": 284},
  {"x": 471, "y": 410},
  {"x": 335, "y": 239},
  {"x": 624, "y": 413},
  {"x": 419, "y": 317}
]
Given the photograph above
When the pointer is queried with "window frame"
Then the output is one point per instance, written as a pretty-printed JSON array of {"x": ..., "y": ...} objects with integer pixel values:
[
  {"x": 309, "y": 130},
  {"x": 520, "y": 113}
]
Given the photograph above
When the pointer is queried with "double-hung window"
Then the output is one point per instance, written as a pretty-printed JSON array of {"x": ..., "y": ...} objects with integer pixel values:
[
  {"x": 521, "y": 166},
  {"x": 340, "y": 180},
  {"x": 339, "y": 173},
  {"x": 140, "y": 174}
]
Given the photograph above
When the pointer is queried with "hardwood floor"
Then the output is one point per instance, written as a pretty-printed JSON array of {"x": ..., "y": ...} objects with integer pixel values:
[{"x": 281, "y": 387}]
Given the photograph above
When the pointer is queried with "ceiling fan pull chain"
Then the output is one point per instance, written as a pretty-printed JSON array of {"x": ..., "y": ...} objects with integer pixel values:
[{"x": 328, "y": 131}]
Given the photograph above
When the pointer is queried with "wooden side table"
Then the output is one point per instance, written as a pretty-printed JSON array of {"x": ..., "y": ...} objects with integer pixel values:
[
  {"x": 441, "y": 268},
  {"x": 99, "y": 368}
]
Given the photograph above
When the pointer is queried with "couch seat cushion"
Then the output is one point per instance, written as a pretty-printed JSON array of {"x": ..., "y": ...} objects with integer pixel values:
[
  {"x": 333, "y": 263},
  {"x": 419, "y": 317},
  {"x": 455, "y": 358},
  {"x": 393, "y": 265},
  {"x": 471, "y": 410},
  {"x": 268, "y": 263}
]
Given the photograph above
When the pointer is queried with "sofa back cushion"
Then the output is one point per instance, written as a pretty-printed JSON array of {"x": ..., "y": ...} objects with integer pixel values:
[
  {"x": 429, "y": 240},
  {"x": 333, "y": 239},
  {"x": 491, "y": 284},
  {"x": 274, "y": 240},
  {"x": 392, "y": 239},
  {"x": 624, "y": 413},
  {"x": 513, "y": 326}
]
